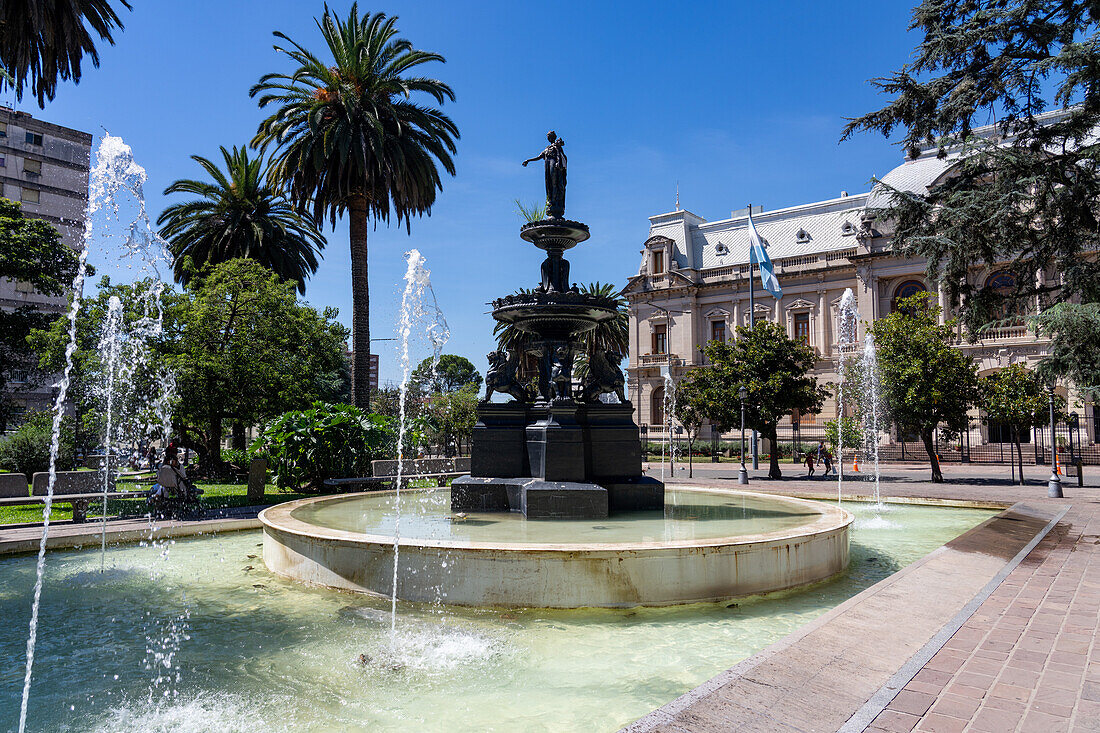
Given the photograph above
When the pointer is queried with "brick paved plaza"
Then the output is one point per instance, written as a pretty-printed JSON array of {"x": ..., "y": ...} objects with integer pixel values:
[{"x": 1025, "y": 660}]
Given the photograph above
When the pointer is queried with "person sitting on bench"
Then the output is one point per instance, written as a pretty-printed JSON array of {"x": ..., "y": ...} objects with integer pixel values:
[{"x": 172, "y": 480}]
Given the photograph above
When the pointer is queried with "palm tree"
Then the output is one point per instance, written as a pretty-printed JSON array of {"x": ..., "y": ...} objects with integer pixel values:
[
  {"x": 238, "y": 215},
  {"x": 43, "y": 40},
  {"x": 348, "y": 137}
]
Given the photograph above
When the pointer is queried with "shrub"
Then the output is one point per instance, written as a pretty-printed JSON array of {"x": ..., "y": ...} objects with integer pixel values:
[
  {"x": 237, "y": 457},
  {"x": 305, "y": 447},
  {"x": 27, "y": 450}
]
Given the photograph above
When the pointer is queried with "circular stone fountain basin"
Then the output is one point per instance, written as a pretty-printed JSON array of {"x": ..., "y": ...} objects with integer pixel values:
[{"x": 707, "y": 545}]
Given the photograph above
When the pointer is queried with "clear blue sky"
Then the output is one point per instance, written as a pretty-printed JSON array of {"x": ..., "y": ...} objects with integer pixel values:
[{"x": 737, "y": 102}]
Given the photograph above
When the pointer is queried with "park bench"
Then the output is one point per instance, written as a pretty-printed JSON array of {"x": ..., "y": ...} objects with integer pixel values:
[
  {"x": 75, "y": 488},
  {"x": 439, "y": 470}
]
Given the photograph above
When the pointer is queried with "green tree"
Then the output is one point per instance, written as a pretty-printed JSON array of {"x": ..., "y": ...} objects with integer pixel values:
[
  {"x": 451, "y": 374},
  {"x": 42, "y": 41},
  {"x": 238, "y": 215},
  {"x": 350, "y": 137},
  {"x": 1074, "y": 330},
  {"x": 926, "y": 381},
  {"x": 852, "y": 433},
  {"x": 31, "y": 250},
  {"x": 1026, "y": 200},
  {"x": 450, "y": 417},
  {"x": 27, "y": 449},
  {"x": 773, "y": 367},
  {"x": 140, "y": 301},
  {"x": 240, "y": 347},
  {"x": 244, "y": 350},
  {"x": 691, "y": 408},
  {"x": 1015, "y": 398}
]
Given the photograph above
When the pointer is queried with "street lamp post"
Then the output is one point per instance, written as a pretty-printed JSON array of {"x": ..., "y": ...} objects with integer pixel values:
[
  {"x": 1054, "y": 483},
  {"x": 742, "y": 475}
]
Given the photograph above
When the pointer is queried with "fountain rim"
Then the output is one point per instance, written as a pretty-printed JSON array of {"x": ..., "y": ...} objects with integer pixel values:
[{"x": 831, "y": 518}]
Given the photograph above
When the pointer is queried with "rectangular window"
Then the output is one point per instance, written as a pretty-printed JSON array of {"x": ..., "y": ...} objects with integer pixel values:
[
  {"x": 718, "y": 331},
  {"x": 3, "y": 162},
  {"x": 658, "y": 263},
  {"x": 32, "y": 167},
  {"x": 660, "y": 339},
  {"x": 33, "y": 138},
  {"x": 802, "y": 327},
  {"x": 29, "y": 195},
  {"x": 3, "y": 129}
]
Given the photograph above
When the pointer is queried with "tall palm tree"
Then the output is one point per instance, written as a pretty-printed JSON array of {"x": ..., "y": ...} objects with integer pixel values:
[
  {"x": 44, "y": 40},
  {"x": 239, "y": 215},
  {"x": 349, "y": 138}
]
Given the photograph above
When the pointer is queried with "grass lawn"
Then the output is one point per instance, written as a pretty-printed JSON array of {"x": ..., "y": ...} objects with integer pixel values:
[{"x": 216, "y": 496}]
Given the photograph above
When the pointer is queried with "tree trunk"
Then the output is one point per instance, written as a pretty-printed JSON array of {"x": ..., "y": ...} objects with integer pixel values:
[
  {"x": 214, "y": 442},
  {"x": 930, "y": 448},
  {"x": 360, "y": 304},
  {"x": 238, "y": 435},
  {"x": 1019, "y": 453},
  {"x": 691, "y": 452},
  {"x": 773, "y": 458}
]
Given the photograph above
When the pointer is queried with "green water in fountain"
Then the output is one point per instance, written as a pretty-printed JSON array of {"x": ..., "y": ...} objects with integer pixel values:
[
  {"x": 253, "y": 652},
  {"x": 691, "y": 515}
]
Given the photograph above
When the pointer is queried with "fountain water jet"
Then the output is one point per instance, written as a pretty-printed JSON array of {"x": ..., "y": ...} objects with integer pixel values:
[
  {"x": 115, "y": 173},
  {"x": 848, "y": 319},
  {"x": 869, "y": 373},
  {"x": 418, "y": 304}
]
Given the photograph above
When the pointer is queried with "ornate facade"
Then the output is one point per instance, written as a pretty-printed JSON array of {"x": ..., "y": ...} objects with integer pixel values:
[{"x": 693, "y": 279}]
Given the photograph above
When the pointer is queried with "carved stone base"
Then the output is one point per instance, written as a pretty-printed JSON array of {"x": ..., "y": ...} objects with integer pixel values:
[
  {"x": 532, "y": 497},
  {"x": 556, "y": 460},
  {"x": 498, "y": 446}
]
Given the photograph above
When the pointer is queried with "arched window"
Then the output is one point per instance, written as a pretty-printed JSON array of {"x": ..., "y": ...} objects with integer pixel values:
[
  {"x": 907, "y": 289},
  {"x": 657, "y": 407},
  {"x": 1004, "y": 284}
]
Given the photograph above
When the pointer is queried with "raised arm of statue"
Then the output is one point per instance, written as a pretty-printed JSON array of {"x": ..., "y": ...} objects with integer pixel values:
[{"x": 540, "y": 156}]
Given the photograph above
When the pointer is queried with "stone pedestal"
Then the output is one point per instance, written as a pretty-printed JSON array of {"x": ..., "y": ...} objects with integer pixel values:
[
  {"x": 562, "y": 460},
  {"x": 532, "y": 497},
  {"x": 556, "y": 442},
  {"x": 498, "y": 447}
]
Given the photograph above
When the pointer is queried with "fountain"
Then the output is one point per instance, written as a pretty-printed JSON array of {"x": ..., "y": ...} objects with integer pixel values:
[{"x": 556, "y": 511}]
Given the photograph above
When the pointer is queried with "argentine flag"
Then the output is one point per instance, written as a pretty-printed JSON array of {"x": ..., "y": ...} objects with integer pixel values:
[{"x": 759, "y": 255}]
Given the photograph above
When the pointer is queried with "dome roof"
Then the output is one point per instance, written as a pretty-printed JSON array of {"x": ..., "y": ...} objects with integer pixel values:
[{"x": 912, "y": 176}]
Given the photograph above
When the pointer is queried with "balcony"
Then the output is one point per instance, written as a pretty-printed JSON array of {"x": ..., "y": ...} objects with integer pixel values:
[{"x": 650, "y": 360}]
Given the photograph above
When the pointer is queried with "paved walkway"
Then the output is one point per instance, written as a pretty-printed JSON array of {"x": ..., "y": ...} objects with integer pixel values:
[{"x": 1027, "y": 659}]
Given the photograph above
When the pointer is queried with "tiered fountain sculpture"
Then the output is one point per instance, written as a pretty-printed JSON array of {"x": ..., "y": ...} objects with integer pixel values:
[{"x": 557, "y": 451}]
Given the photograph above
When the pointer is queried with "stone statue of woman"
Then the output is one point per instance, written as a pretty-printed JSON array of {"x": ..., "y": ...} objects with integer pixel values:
[{"x": 554, "y": 158}]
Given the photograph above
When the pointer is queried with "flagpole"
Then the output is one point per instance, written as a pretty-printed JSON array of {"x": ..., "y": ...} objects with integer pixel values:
[{"x": 752, "y": 325}]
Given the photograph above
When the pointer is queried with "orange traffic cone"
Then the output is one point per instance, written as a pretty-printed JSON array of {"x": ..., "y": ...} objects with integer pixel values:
[
  {"x": 1057, "y": 463},
  {"x": 855, "y": 463}
]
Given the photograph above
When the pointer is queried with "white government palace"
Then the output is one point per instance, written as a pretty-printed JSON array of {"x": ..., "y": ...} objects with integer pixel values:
[{"x": 693, "y": 280}]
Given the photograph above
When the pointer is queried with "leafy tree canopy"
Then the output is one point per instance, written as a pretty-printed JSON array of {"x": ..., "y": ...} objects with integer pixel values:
[
  {"x": 238, "y": 215},
  {"x": 450, "y": 417},
  {"x": 451, "y": 374},
  {"x": 1016, "y": 398},
  {"x": 1026, "y": 200},
  {"x": 926, "y": 382},
  {"x": 240, "y": 347},
  {"x": 1074, "y": 329},
  {"x": 31, "y": 250},
  {"x": 773, "y": 367}
]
